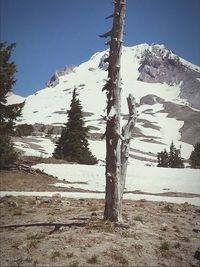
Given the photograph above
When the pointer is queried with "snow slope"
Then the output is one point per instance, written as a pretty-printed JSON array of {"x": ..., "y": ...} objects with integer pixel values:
[
  {"x": 89, "y": 78},
  {"x": 155, "y": 129}
]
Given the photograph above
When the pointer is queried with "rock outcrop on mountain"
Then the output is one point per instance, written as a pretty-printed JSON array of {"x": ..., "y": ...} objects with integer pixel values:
[
  {"x": 161, "y": 65},
  {"x": 191, "y": 127},
  {"x": 55, "y": 78},
  {"x": 165, "y": 86}
]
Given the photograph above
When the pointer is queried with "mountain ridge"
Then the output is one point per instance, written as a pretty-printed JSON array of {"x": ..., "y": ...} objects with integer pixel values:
[{"x": 166, "y": 88}]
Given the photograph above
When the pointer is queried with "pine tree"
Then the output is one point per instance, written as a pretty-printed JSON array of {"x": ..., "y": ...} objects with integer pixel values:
[
  {"x": 172, "y": 156},
  {"x": 178, "y": 159},
  {"x": 175, "y": 160},
  {"x": 195, "y": 157},
  {"x": 73, "y": 144},
  {"x": 163, "y": 159},
  {"x": 172, "y": 159},
  {"x": 8, "y": 113}
]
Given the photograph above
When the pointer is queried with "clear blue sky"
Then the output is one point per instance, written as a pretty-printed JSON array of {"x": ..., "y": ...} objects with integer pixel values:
[{"x": 51, "y": 34}]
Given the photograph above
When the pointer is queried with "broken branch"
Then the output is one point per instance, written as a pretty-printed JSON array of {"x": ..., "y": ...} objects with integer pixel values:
[
  {"x": 105, "y": 35},
  {"x": 56, "y": 225},
  {"x": 109, "y": 17}
]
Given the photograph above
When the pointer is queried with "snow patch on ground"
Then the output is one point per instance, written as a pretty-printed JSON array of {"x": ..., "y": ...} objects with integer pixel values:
[
  {"x": 36, "y": 146},
  {"x": 145, "y": 179}
]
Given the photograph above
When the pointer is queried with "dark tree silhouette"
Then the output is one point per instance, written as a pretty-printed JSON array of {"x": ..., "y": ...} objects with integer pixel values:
[
  {"x": 163, "y": 159},
  {"x": 172, "y": 159},
  {"x": 8, "y": 113},
  {"x": 195, "y": 157},
  {"x": 73, "y": 144}
]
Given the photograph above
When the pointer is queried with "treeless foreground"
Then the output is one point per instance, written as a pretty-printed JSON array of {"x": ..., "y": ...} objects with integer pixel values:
[{"x": 74, "y": 234}]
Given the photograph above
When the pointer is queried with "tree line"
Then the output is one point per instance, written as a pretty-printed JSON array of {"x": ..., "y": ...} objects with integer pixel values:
[{"x": 173, "y": 159}]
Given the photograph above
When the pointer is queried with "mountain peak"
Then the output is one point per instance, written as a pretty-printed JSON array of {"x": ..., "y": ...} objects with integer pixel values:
[
  {"x": 61, "y": 72},
  {"x": 166, "y": 90}
]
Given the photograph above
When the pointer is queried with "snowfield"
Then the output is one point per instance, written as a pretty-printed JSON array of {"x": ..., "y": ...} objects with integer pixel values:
[{"x": 140, "y": 179}]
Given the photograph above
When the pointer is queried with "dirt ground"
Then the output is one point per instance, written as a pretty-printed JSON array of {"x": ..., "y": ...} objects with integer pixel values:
[
  {"x": 17, "y": 180},
  {"x": 159, "y": 233}
]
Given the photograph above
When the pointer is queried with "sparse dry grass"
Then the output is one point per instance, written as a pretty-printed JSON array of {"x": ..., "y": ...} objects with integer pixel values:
[
  {"x": 138, "y": 218},
  {"x": 55, "y": 254},
  {"x": 100, "y": 242},
  {"x": 18, "y": 211},
  {"x": 93, "y": 259},
  {"x": 100, "y": 225},
  {"x": 165, "y": 245},
  {"x": 118, "y": 257},
  {"x": 32, "y": 243}
]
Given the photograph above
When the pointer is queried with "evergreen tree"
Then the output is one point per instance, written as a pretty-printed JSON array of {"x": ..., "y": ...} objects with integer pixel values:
[
  {"x": 195, "y": 157},
  {"x": 172, "y": 156},
  {"x": 73, "y": 144},
  {"x": 8, "y": 113},
  {"x": 178, "y": 159},
  {"x": 163, "y": 159},
  {"x": 172, "y": 159},
  {"x": 175, "y": 160}
]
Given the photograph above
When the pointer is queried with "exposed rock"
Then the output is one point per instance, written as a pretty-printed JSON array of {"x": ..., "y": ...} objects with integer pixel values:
[
  {"x": 55, "y": 78},
  {"x": 53, "y": 81},
  {"x": 196, "y": 230},
  {"x": 197, "y": 254},
  {"x": 191, "y": 128},
  {"x": 103, "y": 64},
  {"x": 161, "y": 65},
  {"x": 13, "y": 204}
]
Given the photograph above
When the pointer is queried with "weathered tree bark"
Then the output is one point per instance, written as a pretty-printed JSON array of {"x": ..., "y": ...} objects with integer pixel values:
[
  {"x": 127, "y": 131},
  {"x": 117, "y": 144},
  {"x": 113, "y": 142}
]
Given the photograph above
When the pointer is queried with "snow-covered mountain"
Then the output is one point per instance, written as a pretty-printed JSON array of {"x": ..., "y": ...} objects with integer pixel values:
[{"x": 166, "y": 88}]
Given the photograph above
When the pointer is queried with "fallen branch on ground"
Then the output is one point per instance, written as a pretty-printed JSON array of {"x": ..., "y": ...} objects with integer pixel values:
[{"x": 56, "y": 225}]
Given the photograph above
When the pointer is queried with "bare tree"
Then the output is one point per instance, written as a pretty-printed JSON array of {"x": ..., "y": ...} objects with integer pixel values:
[{"x": 117, "y": 140}]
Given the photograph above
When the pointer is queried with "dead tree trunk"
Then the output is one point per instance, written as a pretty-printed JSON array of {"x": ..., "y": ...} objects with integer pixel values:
[
  {"x": 113, "y": 143},
  {"x": 117, "y": 144},
  {"x": 127, "y": 131}
]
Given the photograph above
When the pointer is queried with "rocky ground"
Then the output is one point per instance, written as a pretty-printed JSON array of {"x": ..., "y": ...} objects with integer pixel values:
[{"x": 74, "y": 234}]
